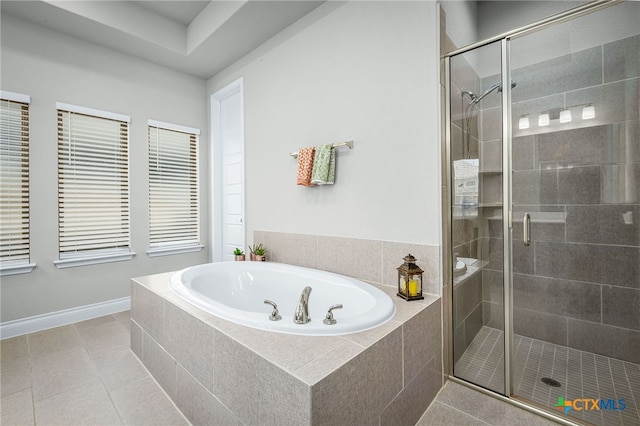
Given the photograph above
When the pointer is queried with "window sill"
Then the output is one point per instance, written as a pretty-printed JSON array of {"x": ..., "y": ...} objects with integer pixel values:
[
  {"x": 95, "y": 259},
  {"x": 16, "y": 269},
  {"x": 167, "y": 251}
]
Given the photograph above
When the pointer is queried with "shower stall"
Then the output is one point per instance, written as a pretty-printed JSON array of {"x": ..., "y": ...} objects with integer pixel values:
[{"x": 542, "y": 157}]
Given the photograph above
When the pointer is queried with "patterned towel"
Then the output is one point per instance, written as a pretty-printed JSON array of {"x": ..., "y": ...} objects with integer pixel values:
[
  {"x": 324, "y": 165},
  {"x": 305, "y": 165}
]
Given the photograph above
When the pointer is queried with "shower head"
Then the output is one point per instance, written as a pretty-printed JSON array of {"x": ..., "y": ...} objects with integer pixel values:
[
  {"x": 513, "y": 84},
  {"x": 475, "y": 98},
  {"x": 469, "y": 94}
]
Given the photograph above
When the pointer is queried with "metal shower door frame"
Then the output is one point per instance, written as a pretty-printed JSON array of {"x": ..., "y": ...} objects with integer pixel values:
[{"x": 507, "y": 196}]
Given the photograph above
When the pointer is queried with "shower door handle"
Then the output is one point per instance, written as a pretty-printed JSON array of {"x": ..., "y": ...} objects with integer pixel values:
[{"x": 526, "y": 229}]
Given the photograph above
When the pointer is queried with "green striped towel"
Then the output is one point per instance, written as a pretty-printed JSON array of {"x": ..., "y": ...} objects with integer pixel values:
[{"x": 324, "y": 165}]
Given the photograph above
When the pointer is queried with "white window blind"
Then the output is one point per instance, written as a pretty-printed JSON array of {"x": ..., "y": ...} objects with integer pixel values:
[
  {"x": 14, "y": 192},
  {"x": 93, "y": 185},
  {"x": 173, "y": 187}
]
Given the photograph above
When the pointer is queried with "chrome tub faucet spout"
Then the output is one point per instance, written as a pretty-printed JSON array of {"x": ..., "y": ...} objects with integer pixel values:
[{"x": 301, "y": 315}]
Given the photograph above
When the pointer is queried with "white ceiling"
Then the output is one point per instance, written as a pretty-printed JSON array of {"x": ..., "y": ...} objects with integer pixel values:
[
  {"x": 200, "y": 38},
  {"x": 180, "y": 11}
]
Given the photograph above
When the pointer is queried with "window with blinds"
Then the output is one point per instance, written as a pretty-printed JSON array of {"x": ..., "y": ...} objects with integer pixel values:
[
  {"x": 14, "y": 190},
  {"x": 93, "y": 186},
  {"x": 173, "y": 189}
]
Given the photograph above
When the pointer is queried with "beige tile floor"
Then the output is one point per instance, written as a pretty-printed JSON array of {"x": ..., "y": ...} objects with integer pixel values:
[
  {"x": 456, "y": 404},
  {"x": 80, "y": 374},
  {"x": 85, "y": 374}
]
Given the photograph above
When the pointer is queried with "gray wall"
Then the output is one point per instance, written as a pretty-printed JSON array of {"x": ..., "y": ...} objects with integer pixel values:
[
  {"x": 52, "y": 67},
  {"x": 461, "y": 19},
  {"x": 365, "y": 71},
  {"x": 496, "y": 17},
  {"x": 362, "y": 71},
  {"x": 471, "y": 21}
]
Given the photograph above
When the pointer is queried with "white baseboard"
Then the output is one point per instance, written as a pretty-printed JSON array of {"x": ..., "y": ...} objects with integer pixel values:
[{"x": 68, "y": 316}]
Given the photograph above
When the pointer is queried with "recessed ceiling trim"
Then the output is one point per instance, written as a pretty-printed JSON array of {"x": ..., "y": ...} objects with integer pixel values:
[
  {"x": 181, "y": 11},
  {"x": 212, "y": 17},
  {"x": 220, "y": 33},
  {"x": 131, "y": 19}
]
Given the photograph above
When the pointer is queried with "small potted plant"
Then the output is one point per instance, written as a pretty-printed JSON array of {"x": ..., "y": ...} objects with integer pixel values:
[
  {"x": 257, "y": 253},
  {"x": 239, "y": 254}
]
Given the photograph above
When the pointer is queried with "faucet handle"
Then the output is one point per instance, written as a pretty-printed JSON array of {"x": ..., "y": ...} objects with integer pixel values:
[
  {"x": 329, "y": 320},
  {"x": 275, "y": 315}
]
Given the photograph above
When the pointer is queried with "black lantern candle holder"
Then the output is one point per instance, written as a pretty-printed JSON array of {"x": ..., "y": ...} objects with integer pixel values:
[{"x": 410, "y": 279}]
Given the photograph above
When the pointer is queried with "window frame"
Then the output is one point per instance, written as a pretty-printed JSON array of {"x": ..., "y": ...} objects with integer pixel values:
[
  {"x": 96, "y": 256},
  {"x": 21, "y": 266},
  {"x": 179, "y": 247}
]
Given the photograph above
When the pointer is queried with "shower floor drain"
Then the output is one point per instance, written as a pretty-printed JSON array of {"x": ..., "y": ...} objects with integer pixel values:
[{"x": 551, "y": 382}]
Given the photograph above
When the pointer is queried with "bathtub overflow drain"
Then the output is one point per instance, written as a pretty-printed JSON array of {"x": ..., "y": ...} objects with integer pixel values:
[{"x": 551, "y": 382}]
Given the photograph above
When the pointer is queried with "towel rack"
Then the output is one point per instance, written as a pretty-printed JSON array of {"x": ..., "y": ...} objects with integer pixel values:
[{"x": 348, "y": 144}]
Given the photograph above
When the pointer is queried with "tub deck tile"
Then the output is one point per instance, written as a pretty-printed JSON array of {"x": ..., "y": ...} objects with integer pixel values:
[
  {"x": 357, "y": 392},
  {"x": 268, "y": 378},
  {"x": 316, "y": 370},
  {"x": 251, "y": 386}
]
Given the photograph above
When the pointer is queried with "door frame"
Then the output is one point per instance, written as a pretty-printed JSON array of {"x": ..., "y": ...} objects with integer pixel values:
[{"x": 216, "y": 167}]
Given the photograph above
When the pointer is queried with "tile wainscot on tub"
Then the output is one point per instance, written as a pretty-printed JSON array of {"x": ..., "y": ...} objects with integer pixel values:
[{"x": 218, "y": 372}]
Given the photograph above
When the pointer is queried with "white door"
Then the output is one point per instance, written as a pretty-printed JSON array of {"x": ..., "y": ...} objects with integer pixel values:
[{"x": 228, "y": 177}]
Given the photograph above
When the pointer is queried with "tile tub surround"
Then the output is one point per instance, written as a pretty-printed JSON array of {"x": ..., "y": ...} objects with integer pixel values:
[
  {"x": 218, "y": 372},
  {"x": 367, "y": 260}
]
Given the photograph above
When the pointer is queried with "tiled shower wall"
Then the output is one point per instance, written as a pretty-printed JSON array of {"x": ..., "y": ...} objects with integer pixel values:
[
  {"x": 578, "y": 283},
  {"x": 467, "y": 291}
]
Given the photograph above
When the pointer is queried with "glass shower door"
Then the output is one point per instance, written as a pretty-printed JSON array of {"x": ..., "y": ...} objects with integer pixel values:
[
  {"x": 576, "y": 216},
  {"x": 476, "y": 222}
]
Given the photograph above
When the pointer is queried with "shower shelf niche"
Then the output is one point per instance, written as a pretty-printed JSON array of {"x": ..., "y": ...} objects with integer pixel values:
[{"x": 473, "y": 267}]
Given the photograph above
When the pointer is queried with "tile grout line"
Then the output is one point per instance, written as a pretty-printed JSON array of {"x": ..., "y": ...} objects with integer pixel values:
[
  {"x": 82, "y": 348},
  {"x": 615, "y": 391},
  {"x": 573, "y": 363},
  {"x": 463, "y": 412},
  {"x": 93, "y": 365},
  {"x": 624, "y": 367}
]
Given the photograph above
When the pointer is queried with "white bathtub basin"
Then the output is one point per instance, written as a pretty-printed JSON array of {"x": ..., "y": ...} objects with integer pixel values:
[{"x": 235, "y": 291}]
